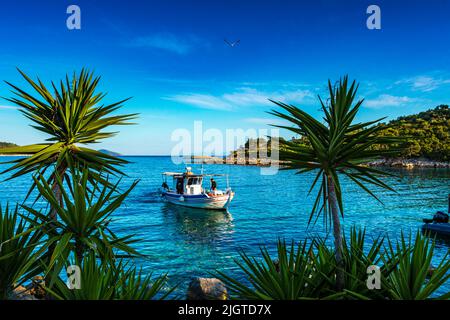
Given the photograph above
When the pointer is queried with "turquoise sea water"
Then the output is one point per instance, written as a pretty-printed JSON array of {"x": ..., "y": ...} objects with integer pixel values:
[{"x": 187, "y": 242}]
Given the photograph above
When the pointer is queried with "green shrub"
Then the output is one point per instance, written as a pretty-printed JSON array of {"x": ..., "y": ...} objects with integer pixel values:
[{"x": 19, "y": 255}]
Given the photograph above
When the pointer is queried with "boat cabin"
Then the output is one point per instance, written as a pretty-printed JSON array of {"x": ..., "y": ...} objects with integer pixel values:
[{"x": 186, "y": 183}]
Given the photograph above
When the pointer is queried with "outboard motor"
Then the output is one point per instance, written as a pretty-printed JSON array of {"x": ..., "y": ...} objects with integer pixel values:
[{"x": 439, "y": 217}]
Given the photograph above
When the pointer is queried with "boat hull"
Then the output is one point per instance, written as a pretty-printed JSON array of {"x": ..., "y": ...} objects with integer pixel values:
[
  {"x": 440, "y": 229},
  {"x": 201, "y": 201}
]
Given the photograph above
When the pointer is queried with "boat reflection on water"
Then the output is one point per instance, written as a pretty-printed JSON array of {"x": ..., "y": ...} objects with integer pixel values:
[
  {"x": 441, "y": 240},
  {"x": 199, "y": 225}
]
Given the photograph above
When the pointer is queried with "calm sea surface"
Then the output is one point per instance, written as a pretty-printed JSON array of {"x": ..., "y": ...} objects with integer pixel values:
[{"x": 186, "y": 243}]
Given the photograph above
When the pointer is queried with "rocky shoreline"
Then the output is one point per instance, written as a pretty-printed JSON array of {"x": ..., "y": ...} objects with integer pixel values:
[
  {"x": 260, "y": 162},
  {"x": 409, "y": 163},
  {"x": 265, "y": 162},
  {"x": 393, "y": 162}
]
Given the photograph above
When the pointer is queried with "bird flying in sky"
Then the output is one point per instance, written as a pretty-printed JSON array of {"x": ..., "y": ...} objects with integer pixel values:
[{"x": 232, "y": 44}]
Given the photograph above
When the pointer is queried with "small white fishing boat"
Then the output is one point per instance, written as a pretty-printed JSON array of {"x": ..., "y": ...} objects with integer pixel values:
[{"x": 187, "y": 190}]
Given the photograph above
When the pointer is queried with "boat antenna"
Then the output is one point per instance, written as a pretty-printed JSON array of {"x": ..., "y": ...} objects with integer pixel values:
[{"x": 202, "y": 162}]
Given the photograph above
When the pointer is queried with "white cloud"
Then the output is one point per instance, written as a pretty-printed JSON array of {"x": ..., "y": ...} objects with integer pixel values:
[
  {"x": 243, "y": 97},
  {"x": 167, "y": 42},
  {"x": 266, "y": 121},
  {"x": 9, "y": 107},
  {"x": 424, "y": 83},
  {"x": 202, "y": 101},
  {"x": 387, "y": 100}
]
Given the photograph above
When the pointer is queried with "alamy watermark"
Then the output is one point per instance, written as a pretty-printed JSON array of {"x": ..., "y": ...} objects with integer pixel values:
[
  {"x": 373, "y": 281},
  {"x": 73, "y": 21},
  {"x": 374, "y": 20},
  {"x": 235, "y": 146},
  {"x": 373, "y": 278},
  {"x": 73, "y": 277}
]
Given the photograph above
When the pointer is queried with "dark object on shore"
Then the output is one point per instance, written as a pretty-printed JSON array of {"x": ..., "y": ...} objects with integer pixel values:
[
  {"x": 21, "y": 293},
  {"x": 33, "y": 291},
  {"x": 439, "y": 224},
  {"x": 207, "y": 289},
  {"x": 37, "y": 287}
]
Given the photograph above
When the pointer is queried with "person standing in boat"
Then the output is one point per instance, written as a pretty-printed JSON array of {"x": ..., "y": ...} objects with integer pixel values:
[
  {"x": 180, "y": 184},
  {"x": 213, "y": 184}
]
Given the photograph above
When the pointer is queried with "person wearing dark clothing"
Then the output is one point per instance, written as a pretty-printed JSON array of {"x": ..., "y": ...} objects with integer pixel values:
[
  {"x": 180, "y": 186},
  {"x": 213, "y": 184}
]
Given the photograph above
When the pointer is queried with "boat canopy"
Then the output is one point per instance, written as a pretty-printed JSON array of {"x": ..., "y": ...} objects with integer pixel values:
[{"x": 172, "y": 174}]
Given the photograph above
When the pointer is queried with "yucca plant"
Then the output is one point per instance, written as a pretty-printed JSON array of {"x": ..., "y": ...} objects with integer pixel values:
[
  {"x": 19, "y": 252},
  {"x": 98, "y": 281},
  {"x": 73, "y": 116},
  {"x": 292, "y": 276},
  {"x": 357, "y": 256},
  {"x": 411, "y": 260},
  {"x": 105, "y": 281},
  {"x": 338, "y": 146},
  {"x": 136, "y": 286},
  {"x": 83, "y": 218},
  {"x": 71, "y": 113},
  {"x": 308, "y": 271}
]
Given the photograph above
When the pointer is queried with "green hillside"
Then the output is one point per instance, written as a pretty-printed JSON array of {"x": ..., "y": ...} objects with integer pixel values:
[{"x": 428, "y": 133}]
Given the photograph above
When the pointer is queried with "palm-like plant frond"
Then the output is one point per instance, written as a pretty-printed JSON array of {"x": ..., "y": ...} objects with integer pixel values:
[
  {"x": 412, "y": 261},
  {"x": 136, "y": 286},
  {"x": 83, "y": 220},
  {"x": 338, "y": 146},
  {"x": 19, "y": 252},
  {"x": 309, "y": 271},
  {"x": 73, "y": 117},
  {"x": 295, "y": 274},
  {"x": 106, "y": 281},
  {"x": 357, "y": 256},
  {"x": 357, "y": 259}
]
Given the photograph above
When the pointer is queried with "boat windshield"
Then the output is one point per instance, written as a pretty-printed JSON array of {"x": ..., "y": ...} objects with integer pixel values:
[{"x": 194, "y": 181}]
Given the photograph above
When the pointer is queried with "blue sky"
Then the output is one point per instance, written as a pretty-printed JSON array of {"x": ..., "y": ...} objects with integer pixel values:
[{"x": 170, "y": 56}]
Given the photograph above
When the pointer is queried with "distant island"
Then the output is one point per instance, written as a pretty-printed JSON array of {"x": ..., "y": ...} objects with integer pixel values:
[
  {"x": 105, "y": 151},
  {"x": 7, "y": 145},
  {"x": 110, "y": 153}
]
